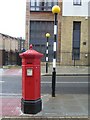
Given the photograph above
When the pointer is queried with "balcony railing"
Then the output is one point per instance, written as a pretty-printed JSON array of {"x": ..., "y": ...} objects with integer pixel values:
[{"x": 42, "y": 6}]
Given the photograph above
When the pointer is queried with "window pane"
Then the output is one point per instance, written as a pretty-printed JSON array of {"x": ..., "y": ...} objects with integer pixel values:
[
  {"x": 37, "y": 9},
  {"x": 76, "y": 44},
  {"x": 42, "y": 5},
  {"x": 32, "y": 3},
  {"x": 76, "y": 54},
  {"x": 76, "y": 25},
  {"x": 32, "y": 8},
  {"x": 37, "y": 2},
  {"x": 76, "y": 40},
  {"x": 77, "y": 2},
  {"x": 50, "y": 3},
  {"x": 76, "y": 35}
]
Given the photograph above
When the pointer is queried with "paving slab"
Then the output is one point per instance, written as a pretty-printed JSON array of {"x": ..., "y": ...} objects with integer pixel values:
[{"x": 61, "y": 106}]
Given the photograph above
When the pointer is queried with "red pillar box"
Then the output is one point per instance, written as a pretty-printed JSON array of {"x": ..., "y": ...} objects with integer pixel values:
[{"x": 31, "y": 102}]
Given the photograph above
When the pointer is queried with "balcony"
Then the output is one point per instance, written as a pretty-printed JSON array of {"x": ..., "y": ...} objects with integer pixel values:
[{"x": 41, "y": 6}]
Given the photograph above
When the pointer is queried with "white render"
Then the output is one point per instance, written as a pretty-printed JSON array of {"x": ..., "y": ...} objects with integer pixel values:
[{"x": 76, "y": 10}]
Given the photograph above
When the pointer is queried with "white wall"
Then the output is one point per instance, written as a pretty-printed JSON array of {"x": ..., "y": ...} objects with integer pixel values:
[{"x": 74, "y": 10}]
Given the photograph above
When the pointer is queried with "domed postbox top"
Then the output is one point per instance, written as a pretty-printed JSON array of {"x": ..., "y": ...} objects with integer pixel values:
[{"x": 31, "y": 53}]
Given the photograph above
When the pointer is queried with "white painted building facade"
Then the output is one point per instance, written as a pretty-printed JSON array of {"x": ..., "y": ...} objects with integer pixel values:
[{"x": 75, "y": 8}]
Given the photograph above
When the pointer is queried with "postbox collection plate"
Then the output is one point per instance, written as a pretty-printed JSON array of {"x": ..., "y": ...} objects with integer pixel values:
[{"x": 29, "y": 72}]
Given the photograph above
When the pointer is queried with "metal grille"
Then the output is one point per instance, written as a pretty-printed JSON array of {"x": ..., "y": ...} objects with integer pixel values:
[{"x": 38, "y": 30}]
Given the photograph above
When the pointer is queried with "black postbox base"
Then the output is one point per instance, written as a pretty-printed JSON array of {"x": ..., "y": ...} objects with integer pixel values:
[{"x": 31, "y": 106}]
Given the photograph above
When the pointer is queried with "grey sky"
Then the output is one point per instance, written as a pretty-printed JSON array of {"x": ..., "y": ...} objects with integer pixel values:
[{"x": 12, "y": 17}]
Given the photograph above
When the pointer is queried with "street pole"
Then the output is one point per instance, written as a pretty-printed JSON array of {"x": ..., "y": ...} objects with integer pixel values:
[
  {"x": 55, "y": 10},
  {"x": 47, "y": 36}
]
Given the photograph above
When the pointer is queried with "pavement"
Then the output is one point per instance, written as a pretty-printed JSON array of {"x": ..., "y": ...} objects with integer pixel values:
[
  {"x": 60, "y": 107},
  {"x": 67, "y": 70},
  {"x": 60, "y": 70}
]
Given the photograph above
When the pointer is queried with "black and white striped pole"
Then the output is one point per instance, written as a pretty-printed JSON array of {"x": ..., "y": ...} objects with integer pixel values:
[
  {"x": 55, "y": 11},
  {"x": 47, "y": 36}
]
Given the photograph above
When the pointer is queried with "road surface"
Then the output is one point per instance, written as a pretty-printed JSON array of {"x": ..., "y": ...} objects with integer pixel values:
[{"x": 11, "y": 85}]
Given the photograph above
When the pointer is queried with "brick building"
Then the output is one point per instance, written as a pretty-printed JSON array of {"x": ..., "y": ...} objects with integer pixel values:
[
  {"x": 73, "y": 41},
  {"x": 9, "y": 49},
  {"x": 39, "y": 21}
]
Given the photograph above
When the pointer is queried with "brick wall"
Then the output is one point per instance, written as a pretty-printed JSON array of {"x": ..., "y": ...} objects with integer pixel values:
[
  {"x": 27, "y": 24},
  {"x": 42, "y": 16},
  {"x": 66, "y": 40},
  {"x": 59, "y": 31}
]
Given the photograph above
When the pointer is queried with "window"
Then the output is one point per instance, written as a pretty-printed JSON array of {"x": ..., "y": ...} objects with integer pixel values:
[
  {"x": 76, "y": 40},
  {"x": 76, "y": 53},
  {"x": 76, "y": 2},
  {"x": 42, "y": 5}
]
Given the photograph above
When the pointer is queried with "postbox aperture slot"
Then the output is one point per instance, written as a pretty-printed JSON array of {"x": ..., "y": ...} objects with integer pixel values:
[
  {"x": 29, "y": 63},
  {"x": 29, "y": 72}
]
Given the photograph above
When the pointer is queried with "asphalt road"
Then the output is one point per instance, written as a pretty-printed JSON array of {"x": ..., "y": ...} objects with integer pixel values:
[{"x": 11, "y": 85}]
